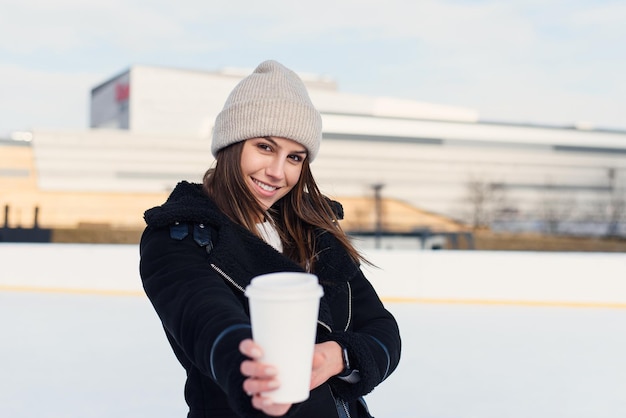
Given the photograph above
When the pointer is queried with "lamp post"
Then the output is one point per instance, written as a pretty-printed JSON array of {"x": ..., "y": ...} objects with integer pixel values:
[{"x": 378, "y": 213}]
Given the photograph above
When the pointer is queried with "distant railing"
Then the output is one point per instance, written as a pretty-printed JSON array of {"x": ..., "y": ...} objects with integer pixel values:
[
  {"x": 423, "y": 239},
  {"x": 20, "y": 234}
]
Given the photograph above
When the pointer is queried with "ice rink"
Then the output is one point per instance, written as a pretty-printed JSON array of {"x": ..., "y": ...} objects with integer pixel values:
[{"x": 97, "y": 350}]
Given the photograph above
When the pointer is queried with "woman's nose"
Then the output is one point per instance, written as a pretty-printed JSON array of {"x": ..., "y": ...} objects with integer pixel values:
[{"x": 276, "y": 168}]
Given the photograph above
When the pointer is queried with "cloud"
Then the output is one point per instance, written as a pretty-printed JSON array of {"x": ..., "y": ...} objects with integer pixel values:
[
  {"x": 66, "y": 25},
  {"x": 40, "y": 99},
  {"x": 504, "y": 58},
  {"x": 142, "y": 25},
  {"x": 607, "y": 14}
]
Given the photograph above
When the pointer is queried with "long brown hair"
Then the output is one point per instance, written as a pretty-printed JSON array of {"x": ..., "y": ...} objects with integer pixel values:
[{"x": 299, "y": 216}]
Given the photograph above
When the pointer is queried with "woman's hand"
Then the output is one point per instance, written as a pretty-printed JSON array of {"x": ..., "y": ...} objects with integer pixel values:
[
  {"x": 327, "y": 362},
  {"x": 260, "y": 378}
]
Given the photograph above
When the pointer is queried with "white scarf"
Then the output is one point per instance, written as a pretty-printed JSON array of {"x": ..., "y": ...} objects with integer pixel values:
[{"x": 270, "y": 235}]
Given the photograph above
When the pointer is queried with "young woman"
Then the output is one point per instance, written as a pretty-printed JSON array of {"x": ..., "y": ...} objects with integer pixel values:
[{"x": 258, "y": 211}]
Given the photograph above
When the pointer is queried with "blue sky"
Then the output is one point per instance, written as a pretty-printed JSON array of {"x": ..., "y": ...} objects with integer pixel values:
[{"x": 532, "y": 61}]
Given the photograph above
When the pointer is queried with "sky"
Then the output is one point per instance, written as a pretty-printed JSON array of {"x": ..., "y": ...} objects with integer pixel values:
[{"x": 555, "y": 62}]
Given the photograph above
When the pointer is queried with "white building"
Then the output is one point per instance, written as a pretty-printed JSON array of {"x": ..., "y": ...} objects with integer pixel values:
[{"x": 152, "y": 128}]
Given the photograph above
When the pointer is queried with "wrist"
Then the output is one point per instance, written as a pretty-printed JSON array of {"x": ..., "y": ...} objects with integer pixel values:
[
  {"x": 349, "y": 373},
  {"x": 346, "y": 362}
]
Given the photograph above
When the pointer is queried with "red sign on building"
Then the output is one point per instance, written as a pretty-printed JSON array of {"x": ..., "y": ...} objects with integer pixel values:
[{"x": 122, "y": 92}]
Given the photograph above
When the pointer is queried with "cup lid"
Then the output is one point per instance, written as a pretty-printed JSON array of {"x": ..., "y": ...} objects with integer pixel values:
[{"x": 284, "y": 285}]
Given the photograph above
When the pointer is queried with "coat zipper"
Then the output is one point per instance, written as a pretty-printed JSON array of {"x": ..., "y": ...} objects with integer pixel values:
[
  {"x": 227, "y": 277},
  {"x": 238, "y": 286},
  {"x": 345, "y": 408},
  {"x": 340, "y": 404}
]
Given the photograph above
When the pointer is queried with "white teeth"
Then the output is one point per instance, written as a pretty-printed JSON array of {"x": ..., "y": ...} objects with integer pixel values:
[{"x": 264, "y": 186}]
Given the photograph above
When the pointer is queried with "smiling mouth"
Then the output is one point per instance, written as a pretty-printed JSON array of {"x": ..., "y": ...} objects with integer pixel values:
[{"x": 265, "y": 186}]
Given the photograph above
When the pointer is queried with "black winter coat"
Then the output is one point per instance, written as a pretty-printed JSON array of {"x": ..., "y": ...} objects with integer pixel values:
[{"x": 195, "y": 265}]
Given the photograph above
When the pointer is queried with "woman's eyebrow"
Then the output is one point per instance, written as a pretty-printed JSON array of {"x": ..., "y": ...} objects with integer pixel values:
[{"x": 270, "y": 139}]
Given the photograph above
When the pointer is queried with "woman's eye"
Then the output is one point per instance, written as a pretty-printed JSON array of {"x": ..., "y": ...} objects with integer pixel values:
[
  {"x": 295, "y": 157},
  {"x": 264, "y": 147}
]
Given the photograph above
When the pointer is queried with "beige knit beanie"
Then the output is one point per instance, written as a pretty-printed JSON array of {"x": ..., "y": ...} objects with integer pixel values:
[{"x": 272, "y": 101}]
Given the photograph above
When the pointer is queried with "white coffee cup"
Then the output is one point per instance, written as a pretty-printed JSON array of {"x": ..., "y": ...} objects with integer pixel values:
[{"x": 283, "y": 310}]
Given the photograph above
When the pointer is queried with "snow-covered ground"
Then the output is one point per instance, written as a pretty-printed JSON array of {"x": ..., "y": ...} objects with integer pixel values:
[{"x": 80, "y": 340}]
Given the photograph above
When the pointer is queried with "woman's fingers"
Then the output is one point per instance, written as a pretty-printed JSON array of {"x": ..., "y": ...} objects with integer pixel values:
[
  {"x": 248, "y": 348},
  {"x": 252, "y": 368},
  {"x": 254, "y": 385},
  {"x": 261, "y": 378},
  {"x": 270, "y": 408}
]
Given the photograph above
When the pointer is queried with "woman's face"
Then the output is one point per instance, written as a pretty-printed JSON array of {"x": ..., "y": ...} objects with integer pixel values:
[{"x": 271, "y": 166}]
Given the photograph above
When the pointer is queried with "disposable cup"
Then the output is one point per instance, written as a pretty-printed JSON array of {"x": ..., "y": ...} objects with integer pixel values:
[{"x": 283, "y": 310}]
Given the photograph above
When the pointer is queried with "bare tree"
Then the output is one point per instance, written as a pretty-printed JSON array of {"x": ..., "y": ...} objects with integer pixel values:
[
  {"x": 616, "y": 205},
  {"x": 484, "y": 201},
  {"x": 555, "y": 208}
]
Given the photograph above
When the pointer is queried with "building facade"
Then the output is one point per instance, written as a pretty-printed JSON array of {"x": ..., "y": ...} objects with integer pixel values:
[{"x": 151, "y": 127}]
